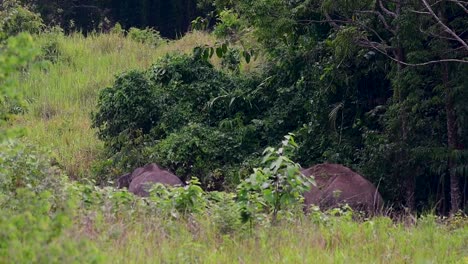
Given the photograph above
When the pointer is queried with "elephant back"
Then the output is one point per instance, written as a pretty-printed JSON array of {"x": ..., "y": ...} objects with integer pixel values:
[{"x": 337, "y": 185}]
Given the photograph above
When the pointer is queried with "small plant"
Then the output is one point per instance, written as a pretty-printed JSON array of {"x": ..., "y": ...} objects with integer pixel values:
[
  {"x": 147, "y": 35},
  {"x": 33, "y": 231},
  {"x": 224, "y": 212},
  {"x": 276, "y": 187},
  {"x": 232, "y": 60},
  {"x": 228, "y": 24},
  {"x": 50, "y": 45},
  {"x": 117, "y": 29},
  {"x": 183, "y": 200},
  {"x": 25, "y": 166}
]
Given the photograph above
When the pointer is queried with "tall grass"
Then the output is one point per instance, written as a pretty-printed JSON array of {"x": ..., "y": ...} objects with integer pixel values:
[
  {"x": 62, "y": 95},
  {"x": 303, "y": 241}
]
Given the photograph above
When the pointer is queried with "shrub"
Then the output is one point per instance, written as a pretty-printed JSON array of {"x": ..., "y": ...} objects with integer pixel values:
[
  {"x": 173, "y": 114},
  {"x": 15, "y": 19},
  {"x": 37, "y": 210},
  {"x": 31, "y": 231},
  {"x": 199, "y": 151},
  {"x": 14, "y": 54},
  {"x": 50, "y": 45},
  {"x": 127, "y": 109},
  {"x": 231, "y": 60},
  {"x": 117, "y": 29},
  {"x": 228, "y": 24},
  {"x": 25, "y": 166},
  {"x": 224, "y": 212},
  {"x": 147, "y": 35},
  {"x": 276, "y": 187},
  {"x": 184, "y": 200}
]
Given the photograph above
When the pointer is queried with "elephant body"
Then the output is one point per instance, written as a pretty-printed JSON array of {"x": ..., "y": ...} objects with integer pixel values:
[
  {"x": 337, "y": 184},
  {"x": 141, "y": 179},
  {"x": 124, "y": 181}
]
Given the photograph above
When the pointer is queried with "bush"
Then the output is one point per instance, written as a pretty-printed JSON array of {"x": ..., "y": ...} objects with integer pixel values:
[
  {"x": 37, "y": 210},
  {"x": 225, "y": 212},
  {"x": 26, "y": 167},
  {"x": 50, "y": 45},
  {"x": 173, "y": 114},
  {"x": 197, "y": 150},
  {"x": 176, "y": 201},
  {"x": 275, "y": 188},
  {"x": 117, "y": 29},
  {"x": 147, "y": 35},
  {"x": 31, "y": 231},
  {"x": 127, "y": 109},
  {"x": 15, "y": 19},
  {"x": 228, "y": 25},
  {"x": 231, "y": 60},
  {"x": 14, "y": 54}
]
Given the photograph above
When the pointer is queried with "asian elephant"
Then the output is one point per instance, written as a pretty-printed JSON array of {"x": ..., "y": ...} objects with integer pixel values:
[
  {"x": 140, "y": 180},
  {"x": 337, "y": 184}
]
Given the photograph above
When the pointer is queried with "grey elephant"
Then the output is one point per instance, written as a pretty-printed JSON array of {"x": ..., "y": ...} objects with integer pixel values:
[
  {"x": 337, "y": 185},
  {"x": 140, "y": 180}
]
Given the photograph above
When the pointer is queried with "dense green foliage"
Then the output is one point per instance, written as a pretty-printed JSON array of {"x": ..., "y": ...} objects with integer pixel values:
[
  {"x": 339, "y": 87},
  {"x": 378, "y": 86},
  {"x": 14, "y": 54},
  {"x": 374, "y": 86},
  {"x": 172, "y": 114},
  {"x": 276, "y": 188},
  {"x": 384, "y": 96},
  {"x": 84, "y": 223},
  {"x": 36, "y": 210},
  {"x": 15, "y": 19}
]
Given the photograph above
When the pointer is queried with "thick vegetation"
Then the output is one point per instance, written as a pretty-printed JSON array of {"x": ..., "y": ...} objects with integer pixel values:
[
  {"x": 174, "y": 114},
  {"x": 378, "y": 86},
  {"x": 336, "y": 79}
]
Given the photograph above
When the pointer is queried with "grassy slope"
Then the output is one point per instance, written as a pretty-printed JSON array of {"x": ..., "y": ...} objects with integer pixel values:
[{"x": 62, "y": 98}]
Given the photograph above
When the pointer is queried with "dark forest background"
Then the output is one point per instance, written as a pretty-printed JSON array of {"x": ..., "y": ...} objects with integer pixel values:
[{"x": 170, "y": 18}]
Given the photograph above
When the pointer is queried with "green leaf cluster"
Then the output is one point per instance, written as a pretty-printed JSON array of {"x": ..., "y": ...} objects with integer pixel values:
[{"x": 276, "y": 187}]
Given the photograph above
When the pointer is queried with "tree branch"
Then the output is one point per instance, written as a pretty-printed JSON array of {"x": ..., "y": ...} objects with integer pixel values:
[
  {"x": 386, "y": 11},
  {"x": 375, "y": 47},
  {"x": 462, "y": 5},
  {"x": 445, "y": 27},
  {"x": 381, "y": 18}
]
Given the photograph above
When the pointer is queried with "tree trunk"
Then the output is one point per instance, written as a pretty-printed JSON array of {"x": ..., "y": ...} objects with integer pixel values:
[
  {"x": 452, "y": 129},
  {"x": 452, "y": 141},
  {"x": 409, "y": 178}
]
